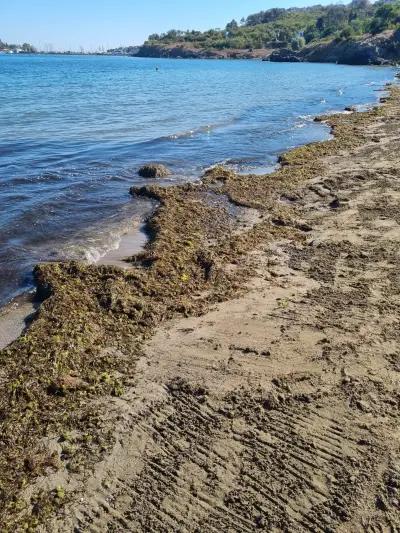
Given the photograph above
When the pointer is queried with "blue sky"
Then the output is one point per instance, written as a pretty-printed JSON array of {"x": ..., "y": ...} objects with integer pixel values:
[{"x": 69, "y": 24}]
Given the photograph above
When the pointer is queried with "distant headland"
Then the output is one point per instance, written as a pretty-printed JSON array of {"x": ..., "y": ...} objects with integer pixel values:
[{"x": 357, "y": 33}]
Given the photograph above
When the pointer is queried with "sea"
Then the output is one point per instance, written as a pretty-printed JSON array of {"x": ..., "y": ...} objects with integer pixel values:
[{"x": 74, "y": 131}]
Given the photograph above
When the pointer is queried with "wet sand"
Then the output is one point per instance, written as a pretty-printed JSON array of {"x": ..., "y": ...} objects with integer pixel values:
[
  {"x": 14, "y": 319},
  {"x": 16, "y": 316},
  {"x": 131, "y": 243}
]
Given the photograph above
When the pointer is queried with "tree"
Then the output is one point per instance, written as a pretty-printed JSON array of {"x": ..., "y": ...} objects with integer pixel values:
[
  {"x": 360, "y": 4},
  {"x": 347, "y": 33},
  {"x": 333, "y": 20},
  {"x": 298, "y": 43},
  {"x": 385, "y": 17},
  {"x": 232, "y": 26},
  {"x": 264, "y": 17},
  {"x": 311, "y": 33}
]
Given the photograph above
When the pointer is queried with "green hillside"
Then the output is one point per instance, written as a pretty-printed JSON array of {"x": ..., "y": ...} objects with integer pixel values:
[{"x": 293, "y": 27}]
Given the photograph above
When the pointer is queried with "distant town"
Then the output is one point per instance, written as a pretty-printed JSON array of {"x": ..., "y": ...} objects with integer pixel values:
[{"x": 26, "y": 48}]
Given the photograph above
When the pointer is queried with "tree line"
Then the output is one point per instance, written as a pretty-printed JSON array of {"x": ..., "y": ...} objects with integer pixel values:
[{"x": 293, "y": 27}]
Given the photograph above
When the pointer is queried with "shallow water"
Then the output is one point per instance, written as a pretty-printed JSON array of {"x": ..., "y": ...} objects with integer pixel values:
[{"x": 74, "y": 130}]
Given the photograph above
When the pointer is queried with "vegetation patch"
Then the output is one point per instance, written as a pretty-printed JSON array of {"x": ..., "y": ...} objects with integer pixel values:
[{"x": 293, "y": 27}]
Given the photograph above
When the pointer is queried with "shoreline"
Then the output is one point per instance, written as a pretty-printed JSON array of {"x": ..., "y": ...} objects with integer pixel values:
[
  {"x": 15, "y": 318},
  {"x": 197, "y": 258},
  {"x": 132, "y": 243},
  {"x": 17, "y": 315}
]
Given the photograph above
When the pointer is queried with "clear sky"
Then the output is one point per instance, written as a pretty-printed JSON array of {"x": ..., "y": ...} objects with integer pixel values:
[{"x": 69, "y": 24}]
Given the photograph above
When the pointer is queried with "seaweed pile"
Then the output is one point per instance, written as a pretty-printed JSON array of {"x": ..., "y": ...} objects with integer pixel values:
[{"x": 83, "y": 346}]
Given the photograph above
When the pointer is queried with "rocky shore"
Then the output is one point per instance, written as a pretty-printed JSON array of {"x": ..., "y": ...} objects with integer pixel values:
[
  {"x": 381, "y": 49},
  {"x": 180, "y": 51},
  {"x": 243, "y": 374}
]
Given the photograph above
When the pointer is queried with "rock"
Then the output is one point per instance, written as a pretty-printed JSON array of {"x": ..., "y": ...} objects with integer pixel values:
[
  {"x": 335, "y": 204},
  {"x": 381, "y": 503},
  {"x": 285, "y": 56},
  {"x": 66, "y": 383},
  {"x": 363, "y": 406},
  {"x": 153, "y": 170},
  {"x": 260, "y": 522}
]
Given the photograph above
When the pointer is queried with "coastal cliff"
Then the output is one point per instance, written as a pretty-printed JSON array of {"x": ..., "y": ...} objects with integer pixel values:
[{"x": 381, "y": 49}]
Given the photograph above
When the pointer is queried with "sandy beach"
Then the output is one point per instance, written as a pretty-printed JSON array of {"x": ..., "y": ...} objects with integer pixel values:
[
  {"x": 131, "y": 243},
  {"x": 14, "y": 319},
  {"x": 242, "y": 374}
]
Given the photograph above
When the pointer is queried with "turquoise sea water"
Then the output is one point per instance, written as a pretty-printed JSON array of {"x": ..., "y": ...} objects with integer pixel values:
[{"x": 74, "y": 130}]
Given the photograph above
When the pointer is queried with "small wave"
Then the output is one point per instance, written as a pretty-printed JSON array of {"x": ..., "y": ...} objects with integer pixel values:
[
  {"x": 99, "y": 242},
  {"x": 248, "y": 166},
  {"x": 308, "y": 118},
  {"x": 303, "y": 121},
  {"x": 91, "y": 253},
  {"x": 207, "y": 129},
  {"x": 190, "y": 133},
  {"x": 45, "y": 177},
  {"x": 364, "y": 107},
  {"x": 335, "y": 112}
]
